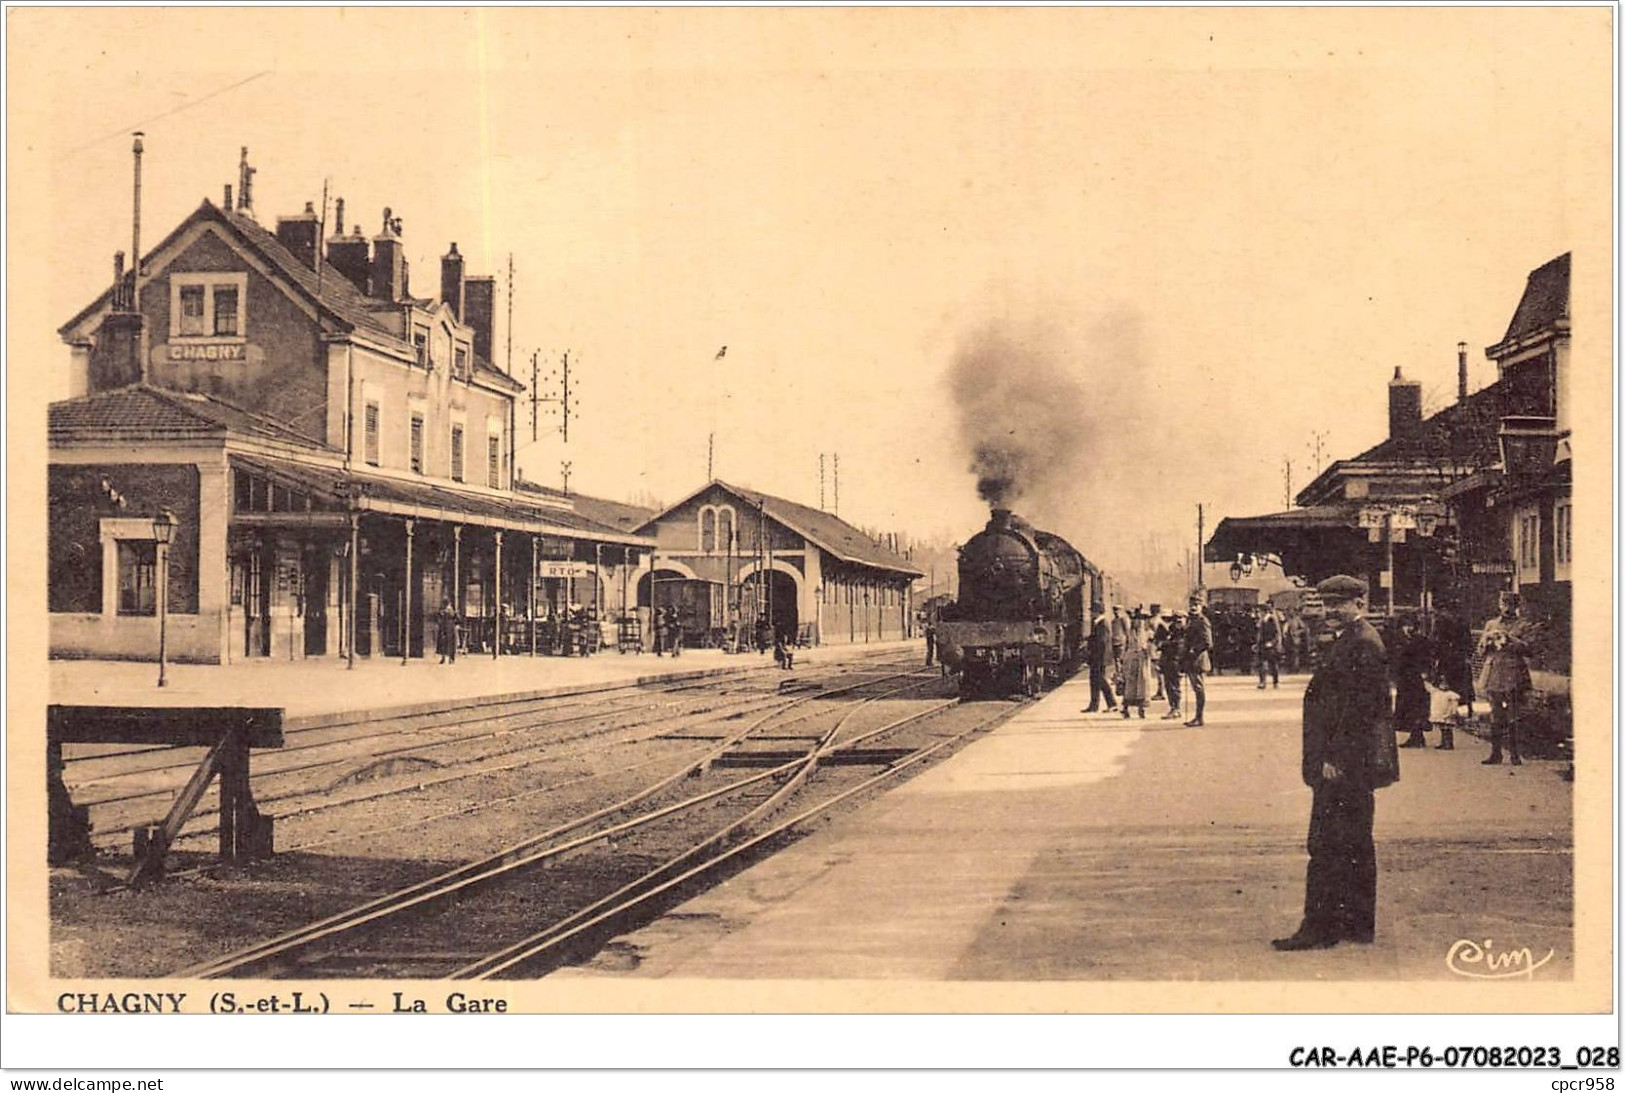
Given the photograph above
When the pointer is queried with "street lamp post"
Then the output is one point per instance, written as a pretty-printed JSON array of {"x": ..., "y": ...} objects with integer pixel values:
[{"x": 163, "y": 531}]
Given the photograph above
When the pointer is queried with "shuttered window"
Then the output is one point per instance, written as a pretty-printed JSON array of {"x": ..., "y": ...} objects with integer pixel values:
[
  {"x": 371, "y": 455},
  {"x": 417, "y": 443},
  {"x": 456, "y": 453},
  {"x": 493, "y": 462}
]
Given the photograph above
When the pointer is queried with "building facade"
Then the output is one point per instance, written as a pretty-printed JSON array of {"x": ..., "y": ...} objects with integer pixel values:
[
  {"x": 337, "y": 453},
  {"x": 727, "y": 556},
  {"x": 1456, "y": 508}
]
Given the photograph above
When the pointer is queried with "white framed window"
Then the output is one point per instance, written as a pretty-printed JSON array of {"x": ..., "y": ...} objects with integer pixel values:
[
  {"x": 208, "y": 306},
  {"x": 725, "y": 527},
  {"x": 460, "y": 368},
  {"x": 493, "y": 461},
  {"x": 1526, "y": 545},
  {"x": 417, "y": 443},
  {"x": 456, "y": 452},
  {"x": 708, "y": 530}
]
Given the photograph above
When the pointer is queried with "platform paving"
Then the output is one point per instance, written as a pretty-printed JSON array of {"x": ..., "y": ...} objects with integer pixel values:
[
  {"x": 310, "y": 690},
  {"x": 1073, "y": 846}
]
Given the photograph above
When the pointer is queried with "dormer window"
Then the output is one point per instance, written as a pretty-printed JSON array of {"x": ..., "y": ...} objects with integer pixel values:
[
  {"x": 461, "y": 364},
  {"x": 207, "y": 305}
]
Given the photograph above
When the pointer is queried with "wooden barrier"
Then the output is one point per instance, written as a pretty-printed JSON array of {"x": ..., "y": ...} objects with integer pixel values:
[{"x": 229, "y": 732}]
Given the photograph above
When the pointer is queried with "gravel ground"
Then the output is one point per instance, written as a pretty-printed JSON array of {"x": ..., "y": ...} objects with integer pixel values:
[{"x": 406, "y": 835}]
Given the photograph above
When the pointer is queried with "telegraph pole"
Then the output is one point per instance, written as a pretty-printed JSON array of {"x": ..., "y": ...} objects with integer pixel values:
[
  {"x": 1317, "y": 444},
  {"x": 564, "y": 470},
  {"x": 535, "y": 395},
  {"x": 509, "y": 366},
  {"x": 566, "y": 410},
  {"x": 1201, "y": 528},
  {"x": 1287, "y": 461},
  {"x": 837, "y": 460}
]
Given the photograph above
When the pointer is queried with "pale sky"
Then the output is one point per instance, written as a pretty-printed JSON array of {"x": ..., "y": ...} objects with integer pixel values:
[{"x": 1232, "y": 224}]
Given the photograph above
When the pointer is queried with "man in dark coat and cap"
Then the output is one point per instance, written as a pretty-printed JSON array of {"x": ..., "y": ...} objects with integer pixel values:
[
  {"x": 1100, "y": 657},
  {"x": 1348, "y": 753}
]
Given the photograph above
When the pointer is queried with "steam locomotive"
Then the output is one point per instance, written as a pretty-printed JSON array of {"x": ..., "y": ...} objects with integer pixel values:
[{"x": 1022, "y": 613}]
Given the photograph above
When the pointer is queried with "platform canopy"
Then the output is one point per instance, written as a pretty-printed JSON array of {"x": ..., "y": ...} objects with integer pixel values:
[{"x": 1313, "y": 542}]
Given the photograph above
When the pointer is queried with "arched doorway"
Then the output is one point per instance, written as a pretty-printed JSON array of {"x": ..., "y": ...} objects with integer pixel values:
[{"x": 777, "y": 599}]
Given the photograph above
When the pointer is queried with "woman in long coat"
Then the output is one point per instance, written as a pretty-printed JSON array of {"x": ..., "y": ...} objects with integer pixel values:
[
  {"x": 1409, "y": 661},
  {"x": 1137, "y": 684}
]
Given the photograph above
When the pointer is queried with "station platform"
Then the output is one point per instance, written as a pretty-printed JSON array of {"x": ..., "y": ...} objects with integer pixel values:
[
  {"x": 1074, "y": 846},
  {"x": 313, "y": 690}
]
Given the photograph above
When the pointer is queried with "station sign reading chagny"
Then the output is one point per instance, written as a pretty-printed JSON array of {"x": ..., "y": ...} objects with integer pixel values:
[{"x": 228, "y": 351}]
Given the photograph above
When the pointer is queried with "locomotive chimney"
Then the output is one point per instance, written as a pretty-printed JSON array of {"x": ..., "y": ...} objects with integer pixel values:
[{"x": 1000, "y": 520}]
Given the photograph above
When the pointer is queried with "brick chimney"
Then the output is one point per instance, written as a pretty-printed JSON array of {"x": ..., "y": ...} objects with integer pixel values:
[
  {"x": 115, "y": 356},
  {"x": 389, "y": 261},
  {"x": 1404, "y": 406},
  {"x": 479, "y": 312},
  {"x": 300, "y": 234},
  {"x": 451, "y": 280},
  {"x": 351, "y": 256},
  {"x": 1461, "y": 371}
]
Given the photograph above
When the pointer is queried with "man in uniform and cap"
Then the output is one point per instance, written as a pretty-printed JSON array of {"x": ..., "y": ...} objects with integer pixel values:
[
  {"x": 1504, "y": 647},
  {"x": 1196, "y": 658},
  {"x": 1348, "y": 753}
]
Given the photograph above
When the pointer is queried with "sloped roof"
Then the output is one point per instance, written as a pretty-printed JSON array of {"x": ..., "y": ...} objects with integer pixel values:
[
  {"x": 331, "y": 291},
  {"x": 821, "y": 528},
  {"x": 142, "y": 409},
  {"x": 615, "y": 514},
  {"x": 1545, "y": 299},
  {"x": 438, "y": 498},
  {"x": 1472, "y": 425}
]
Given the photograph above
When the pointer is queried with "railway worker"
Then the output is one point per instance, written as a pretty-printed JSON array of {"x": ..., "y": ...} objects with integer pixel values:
[
  {"x": 1348, "y": 753},
  {"x": 1267, "y": 639},
  {"x": 1173, "y": 650},
  {"x": 1505, "y": 676},
  {"x": 1100, "y": 651},
  {"x": 1196, "y": 658},
  {"x": 1119, "y": 644},
  {"x": 930, "y": 643},
  {"x": 1411, "y": 659},
  {"x": 1137, "y": 666},
  {"x": 445, "y": 633}
]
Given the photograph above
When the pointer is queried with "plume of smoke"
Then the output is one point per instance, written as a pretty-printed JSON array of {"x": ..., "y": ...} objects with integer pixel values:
[
  {"x": 1019, "y": 409},
  {"x": 1059, "y": 423}
]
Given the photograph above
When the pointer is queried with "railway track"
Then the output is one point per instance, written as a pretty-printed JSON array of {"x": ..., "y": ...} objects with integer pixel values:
[
  {"x": 680, "y": 829},
  {"x": 279, "y": 782}
]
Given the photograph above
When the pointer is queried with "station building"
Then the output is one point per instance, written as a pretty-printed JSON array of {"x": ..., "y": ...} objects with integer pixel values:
[
  {"x": 728, "y": 555},
  {"x": 1457, "y": 507},
  {"x": 337, "y": 454}
]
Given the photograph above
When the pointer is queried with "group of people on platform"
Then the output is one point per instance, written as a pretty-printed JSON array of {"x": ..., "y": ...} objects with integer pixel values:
[
  {"x": 573, "y": 630},
  {"x": 1349, "y": 748},
  {"x": 1146, "y": 656}
]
